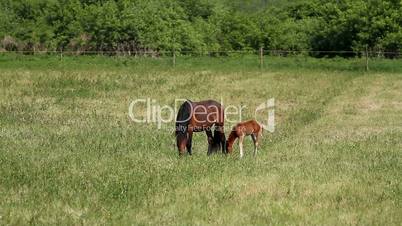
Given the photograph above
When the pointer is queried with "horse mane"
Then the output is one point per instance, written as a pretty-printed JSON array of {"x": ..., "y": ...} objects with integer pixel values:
[{"x": 183, "y": 118}]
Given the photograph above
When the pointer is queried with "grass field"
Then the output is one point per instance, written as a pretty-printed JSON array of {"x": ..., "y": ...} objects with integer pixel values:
[{"x": 70, "y": 155}]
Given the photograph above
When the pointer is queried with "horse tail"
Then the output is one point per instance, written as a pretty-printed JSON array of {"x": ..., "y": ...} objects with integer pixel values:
[
  {"x": 217, "y": 137},
  {"x": 183, "y": 118},
  {"x": 261, "y": 129}
]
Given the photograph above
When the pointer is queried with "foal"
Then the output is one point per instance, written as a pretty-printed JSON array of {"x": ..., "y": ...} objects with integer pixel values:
[{"x": 252, "y": 128}]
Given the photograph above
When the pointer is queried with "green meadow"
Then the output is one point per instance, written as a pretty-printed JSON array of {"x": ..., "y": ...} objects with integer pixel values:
[{"x": 70, "y": 155}]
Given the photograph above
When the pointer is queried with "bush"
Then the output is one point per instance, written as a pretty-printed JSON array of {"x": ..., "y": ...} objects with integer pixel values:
[{"x": 202, "y": 25}]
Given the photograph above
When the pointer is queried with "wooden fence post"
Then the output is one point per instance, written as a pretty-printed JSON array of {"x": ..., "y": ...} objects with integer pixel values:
[
  {"x": 261, "y": 57},
  {"x": 367, "y": 59},
  {"x": 174, "y": 58}
]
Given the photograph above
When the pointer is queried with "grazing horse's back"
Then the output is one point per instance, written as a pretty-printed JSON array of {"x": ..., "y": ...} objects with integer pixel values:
[{"x": 206, "y": 113}]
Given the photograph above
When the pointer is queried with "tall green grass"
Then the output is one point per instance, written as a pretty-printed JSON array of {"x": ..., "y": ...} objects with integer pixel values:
[
  {"x": 234, "y": 62},
  {"x": 70, "y": 155}
]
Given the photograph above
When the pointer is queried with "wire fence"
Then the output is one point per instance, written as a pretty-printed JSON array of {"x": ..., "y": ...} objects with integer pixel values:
[
  {"x": 261, "y": 55},
  {"x": 204, "y": 52}
]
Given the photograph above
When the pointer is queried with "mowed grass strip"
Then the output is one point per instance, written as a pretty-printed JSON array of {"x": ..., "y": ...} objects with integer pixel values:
[{"x": 69, "y": 153}]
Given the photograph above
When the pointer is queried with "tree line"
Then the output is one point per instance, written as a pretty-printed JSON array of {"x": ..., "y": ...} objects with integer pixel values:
[{"x": 202, "y": 26}]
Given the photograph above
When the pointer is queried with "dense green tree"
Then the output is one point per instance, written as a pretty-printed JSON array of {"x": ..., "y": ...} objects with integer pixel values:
[{"x": 127, "y": 26}]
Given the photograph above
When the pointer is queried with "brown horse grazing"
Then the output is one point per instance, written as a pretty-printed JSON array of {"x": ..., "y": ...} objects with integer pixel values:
[
  {"x": 198, "y": 117},
  {"x": 252, "y": 128}
]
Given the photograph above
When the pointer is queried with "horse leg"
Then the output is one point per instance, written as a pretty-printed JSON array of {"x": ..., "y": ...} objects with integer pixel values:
[
  {"x": 222, "y": 139},
  {"x": 241, "y": 139},
  {"x": 210, "y": 141},
  {"x": 255, "y": 141},
  {"x": 190, "y": 142}
]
